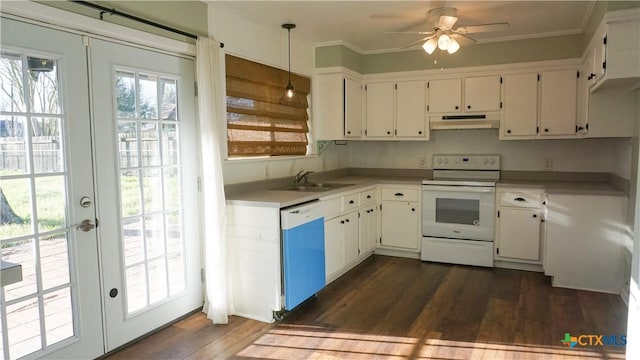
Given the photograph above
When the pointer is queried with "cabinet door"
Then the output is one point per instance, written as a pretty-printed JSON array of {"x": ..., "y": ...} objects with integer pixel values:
[
  {"x": 520, "y": 104},
  {"x": 411, "y": 109},
  {"x": 352, "y": 108},
  {"x": 482, "y": 93},
  {"x": 328, "y": 107},
  {"x": 380, "y": 109},
  {"x": 445, "y": 96},
  {"x": 333, "y": 246},
  {"x": 519, "y": 234},
  {"x": 368, "y": 229},
  {"x": 349, "y": 223},
  {"x": 399, "y": 222},
  {"x": 558, "y": 102},
  {"x": 600, "y": 58}
]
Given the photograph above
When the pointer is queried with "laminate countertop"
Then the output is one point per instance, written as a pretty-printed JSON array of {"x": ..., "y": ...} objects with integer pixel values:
[{"x": 566, "y": 187}]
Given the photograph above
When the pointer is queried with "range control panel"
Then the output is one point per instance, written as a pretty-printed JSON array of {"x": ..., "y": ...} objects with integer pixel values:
[{"x": 466, "y": 162}]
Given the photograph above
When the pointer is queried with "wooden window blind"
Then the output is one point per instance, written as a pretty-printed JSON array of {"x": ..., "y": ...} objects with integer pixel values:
[{"x": 258, "y": 124}]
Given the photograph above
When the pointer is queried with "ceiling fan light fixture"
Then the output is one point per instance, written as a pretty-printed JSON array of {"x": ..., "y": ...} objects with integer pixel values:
[
  {"x": 430, "y": 46},
  {"x": 443, "y": 42},
  {"x": 453, "y": 46}
]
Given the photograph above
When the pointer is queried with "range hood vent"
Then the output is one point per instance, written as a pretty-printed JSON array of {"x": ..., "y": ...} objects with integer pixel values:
[{"x": 478, "y": 121}]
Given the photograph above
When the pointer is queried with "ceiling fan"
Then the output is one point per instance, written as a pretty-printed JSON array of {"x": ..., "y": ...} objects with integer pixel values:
[{"x": 444, "y": 36}]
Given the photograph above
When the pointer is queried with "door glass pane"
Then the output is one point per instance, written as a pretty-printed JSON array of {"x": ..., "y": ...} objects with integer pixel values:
[
  {"x": 13, "y": 145},
  {"x": 33, "y": 206},
  {"x": 458, "y": 211},
  {"x": 47, "y": 145},
  {"x": 149, "y": 150}
]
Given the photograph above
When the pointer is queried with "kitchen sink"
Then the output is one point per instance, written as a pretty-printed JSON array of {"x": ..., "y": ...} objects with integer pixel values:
[{"x": 314, "y": 187}]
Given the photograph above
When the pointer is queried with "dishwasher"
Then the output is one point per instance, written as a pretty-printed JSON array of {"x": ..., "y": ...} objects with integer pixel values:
[{"x": 302, "y": 252}]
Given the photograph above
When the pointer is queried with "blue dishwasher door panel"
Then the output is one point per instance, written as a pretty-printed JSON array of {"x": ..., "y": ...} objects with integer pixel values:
[{"x": 303, "y": 250}]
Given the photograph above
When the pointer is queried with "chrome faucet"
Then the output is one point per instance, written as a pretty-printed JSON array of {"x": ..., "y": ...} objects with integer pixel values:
[{"x": 302, "y": 175}]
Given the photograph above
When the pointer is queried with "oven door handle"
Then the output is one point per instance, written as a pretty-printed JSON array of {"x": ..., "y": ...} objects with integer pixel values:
[{"x": 474, "y": 189}]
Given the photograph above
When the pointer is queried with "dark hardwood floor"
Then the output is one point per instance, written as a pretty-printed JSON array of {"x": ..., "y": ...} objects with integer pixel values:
[{"x": 395, "y": 308}]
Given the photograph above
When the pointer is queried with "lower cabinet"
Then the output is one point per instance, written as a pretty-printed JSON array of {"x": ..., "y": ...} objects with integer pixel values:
[
  {"x": 519, "y": 225},
  {"x": 400, "y": 217},
  {"x": 369, "y": 233}
]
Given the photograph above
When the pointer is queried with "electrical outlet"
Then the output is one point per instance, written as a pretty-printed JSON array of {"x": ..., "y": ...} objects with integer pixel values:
[
  {"x": 547, "y": 165},
  {"x": 422, "y": 162}
]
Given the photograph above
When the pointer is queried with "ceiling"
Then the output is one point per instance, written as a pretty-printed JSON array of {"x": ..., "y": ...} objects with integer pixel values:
[{"x": 362, "y": 24}]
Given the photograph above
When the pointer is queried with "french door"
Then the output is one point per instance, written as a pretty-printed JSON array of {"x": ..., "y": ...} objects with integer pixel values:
[
  {"x": 46, "y": 178},
  {"x": 94, "y": 134},
  {"x": 146, "y": 187}
]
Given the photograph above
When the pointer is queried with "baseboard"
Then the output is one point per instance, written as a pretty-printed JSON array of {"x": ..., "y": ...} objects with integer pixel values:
[
  {"x": 398, "y": 253},
  {"x": 518, "y": 266}
]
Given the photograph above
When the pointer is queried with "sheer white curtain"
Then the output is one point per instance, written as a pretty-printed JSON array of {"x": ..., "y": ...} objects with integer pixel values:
[{"x": 211, "y": 105}]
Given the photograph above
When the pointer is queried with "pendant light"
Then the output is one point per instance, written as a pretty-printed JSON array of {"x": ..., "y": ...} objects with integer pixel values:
[{"x": 290, "y": 97}]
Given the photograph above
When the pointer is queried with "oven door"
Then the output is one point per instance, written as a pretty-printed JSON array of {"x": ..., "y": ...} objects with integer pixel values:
[{"x": 458, "y": 212}]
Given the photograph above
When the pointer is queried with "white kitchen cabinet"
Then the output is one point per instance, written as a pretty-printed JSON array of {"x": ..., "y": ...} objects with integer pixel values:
[
  {"x": 350, "y": 225},
  {"x": 333, "y": 246},
  {"x": 445, "y": 96},
  {"x": 482, "y": 93},
  {"x": 519, "y": 226},
  {"x": 479, "y": 93},
  {"x": 558, "y": 102},
  {"x": 369, "y": 228},
  {"x": 380, "y": 109},
  {"x": 519, "y": 234},
  {"x": 337, "y": 105},
  {"x": 520, "y": 117},
  {"x": 353, "y": 107},
  {"x": 411, "y": 114},
  {"x": 400, "y": 217},
  {"x": 396, "y": 110},
  {"x": 586, "y": 239}
]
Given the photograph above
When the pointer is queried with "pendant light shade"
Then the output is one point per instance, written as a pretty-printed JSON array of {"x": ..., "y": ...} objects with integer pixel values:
[
  {"x": 443, "y": 42},
  {"x": 290, "y": 97},
  {"x": 453, "y": 46}
]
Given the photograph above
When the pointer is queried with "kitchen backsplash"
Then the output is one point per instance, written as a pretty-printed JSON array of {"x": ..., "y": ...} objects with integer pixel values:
[{"x": 579, "y": 155}]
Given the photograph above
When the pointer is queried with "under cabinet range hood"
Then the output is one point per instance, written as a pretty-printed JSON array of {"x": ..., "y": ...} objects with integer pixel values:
[{"x": 451, "y": 122}]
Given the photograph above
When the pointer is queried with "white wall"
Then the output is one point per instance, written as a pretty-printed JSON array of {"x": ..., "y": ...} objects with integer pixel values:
[
  {"x": 253, "y": 39},
  {"x": 581, "y": 155}
]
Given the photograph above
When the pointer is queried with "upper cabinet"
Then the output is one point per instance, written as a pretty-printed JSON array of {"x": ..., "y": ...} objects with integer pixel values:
[
  {"x": 520, "y": 105},
  {"x": 558, "y": 102},
  {"x": 396, "y": 110},
  {"x": 470, "y": 94},
  {"x": 337, "y": 105}
]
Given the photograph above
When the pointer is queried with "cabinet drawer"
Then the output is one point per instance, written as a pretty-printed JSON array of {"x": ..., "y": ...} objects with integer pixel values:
[
  {"x": 332, "y": 207},
  {"x": 368, "y": 196},
  {"x": 400, "y": 194},
  {"x": 351, "y": 201},
  {"x": 523, "y": 199}
]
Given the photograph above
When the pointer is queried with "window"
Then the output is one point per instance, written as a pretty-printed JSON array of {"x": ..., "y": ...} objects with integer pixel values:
[{"x": 258, "y": 124}]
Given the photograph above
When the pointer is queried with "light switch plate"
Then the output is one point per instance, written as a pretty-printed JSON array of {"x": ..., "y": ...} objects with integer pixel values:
[{"x": 547, "y": 165}]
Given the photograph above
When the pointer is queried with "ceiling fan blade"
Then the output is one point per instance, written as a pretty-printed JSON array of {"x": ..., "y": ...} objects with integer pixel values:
[
  {"x": 446, "y": 22},
  {"x": 428, "y": 33},
  {"x": 463, "y": 40},
  {"x": 416, "y": 42},
  {"x": 482, "y": 28}
]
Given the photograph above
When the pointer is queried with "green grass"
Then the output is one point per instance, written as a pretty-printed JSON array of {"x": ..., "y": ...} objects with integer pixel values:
[{"x": 51, "y": 201}]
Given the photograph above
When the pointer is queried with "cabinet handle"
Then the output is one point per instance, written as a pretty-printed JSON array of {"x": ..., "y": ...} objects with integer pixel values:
[
  {"x": 534, "y": 215},
  {"x": 468, "y": 106},
  {"x": 348, "y": 132},
  {"x": 368, "y": 196},
  {"x": 546, "y": 130},
  {"x": 342, "y": 222},
  {"x": 398, "y": 194},
  {"x": 350, "y": 201},
  {"x": 388, "y": 132},
  {"x": 544, "y": 203},
  {"x": 348, "y": 220},
  {"x": 419, "y": 132},
  {"x": 508, "y": 131},
  {"x": 580, "y": 128},
  {"x": 519, "y": 199},
  {"x": 541, "y": 220},
  {"x": 457, "y": 107},
  {"x": 413, "y": 209}
]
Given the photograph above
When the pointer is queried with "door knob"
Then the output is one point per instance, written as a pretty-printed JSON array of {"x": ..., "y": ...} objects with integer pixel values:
[{"x": 86, "y": 225}]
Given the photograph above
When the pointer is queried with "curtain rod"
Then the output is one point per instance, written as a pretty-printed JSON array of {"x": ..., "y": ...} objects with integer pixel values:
[{"x": 104, "y": 10}]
